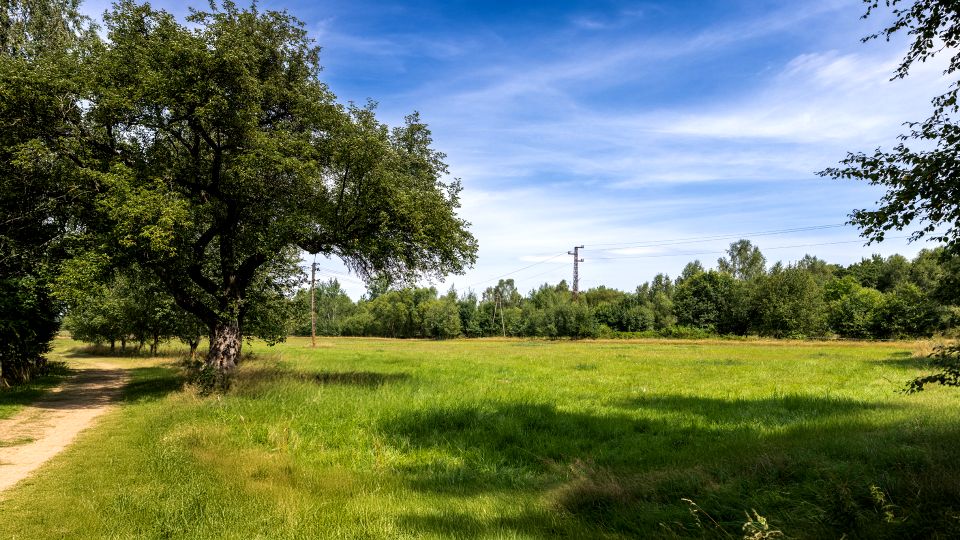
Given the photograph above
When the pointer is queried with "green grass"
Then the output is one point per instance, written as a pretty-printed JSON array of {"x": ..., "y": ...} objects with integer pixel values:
[
  {"x": 368, "y": 438},
  {"x": 15, "y": 398}
]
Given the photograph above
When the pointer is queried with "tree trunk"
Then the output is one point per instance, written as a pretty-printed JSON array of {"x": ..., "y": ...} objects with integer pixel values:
[
  {"x": 225, "y": 347},
  {"x": 113, "y": 345}
]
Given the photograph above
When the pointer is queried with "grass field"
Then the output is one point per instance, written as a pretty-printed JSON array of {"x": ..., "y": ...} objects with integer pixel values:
[{"x": 367, "y": 438}]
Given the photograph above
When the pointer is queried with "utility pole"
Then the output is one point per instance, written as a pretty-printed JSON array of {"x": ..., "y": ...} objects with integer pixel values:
[
  {"x": 313, "y": 306},
  {"x": 503, "y": 322},
  {"x": 576, "y": 270}
]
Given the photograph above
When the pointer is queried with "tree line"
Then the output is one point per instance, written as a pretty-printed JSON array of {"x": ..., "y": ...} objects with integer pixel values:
[{"x": 876, "y": 298}]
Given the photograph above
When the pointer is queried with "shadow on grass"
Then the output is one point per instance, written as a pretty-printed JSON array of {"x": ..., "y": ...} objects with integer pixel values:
[
  {"x": 907, "y": 362},
  {"x": 812, "y": 464},
  {"x": 354, "y": 378},
  {"x": 772, "y": 412},
  {"x": 25, "y": 394},
  {"x": 462, "y": 525},
  {"x": 88, "y": 351},
  {"x": 368, "y": 379},
  {"x": 153, "y": 383}
]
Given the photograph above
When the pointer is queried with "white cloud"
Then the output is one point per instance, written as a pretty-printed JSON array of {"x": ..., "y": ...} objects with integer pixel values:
[{"x": 823, "y": 96}]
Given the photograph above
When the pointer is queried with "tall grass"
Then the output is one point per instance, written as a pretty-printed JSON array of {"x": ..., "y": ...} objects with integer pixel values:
[{"x": 372, "y": 438}]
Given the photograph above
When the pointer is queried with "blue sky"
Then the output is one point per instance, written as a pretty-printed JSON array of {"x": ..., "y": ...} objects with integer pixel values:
[{"x": 617, "y": 125}]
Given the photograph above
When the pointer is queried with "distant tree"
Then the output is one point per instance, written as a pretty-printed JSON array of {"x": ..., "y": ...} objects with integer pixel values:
[
  {"x": 821, "y": 271},
  {"x": 441, "y": 318},
  {"x": 691, "y": 269},
  {"x": 789, "y": 303},
  {"x": 921, "y": 171},
  {"x": 333, "y": 306},
  {"x": 929, "y": 268},
  {"x": 853, "y": 311},
  {"x": 602, "y": 295},
  {"x": 712, "y": 301},
  {"x": 471, "y": 323},
  {"x": 659, "y": 299},
  {"x": 378, "y": 285},
  {"x": 743, "y": 261},
  {"x": 879, "y": 273},
  {"x": 908, "y": 312}
]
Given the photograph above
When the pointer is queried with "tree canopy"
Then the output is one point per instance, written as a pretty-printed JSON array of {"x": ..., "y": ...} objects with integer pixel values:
[
  {"x": 40, "y": 42},
  {"x": 208, "y": 150}
]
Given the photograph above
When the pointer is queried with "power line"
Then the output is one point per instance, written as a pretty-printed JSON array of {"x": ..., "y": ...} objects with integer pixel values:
[
  {"x": 698, "y": 239},
  {"x": 689, "y": 253},
  {"x": 339, "y": 275},
  {"x": 550, "y": 271},
  {"x": 664, "y": 243},
  {"x": 517, "y": 270}
]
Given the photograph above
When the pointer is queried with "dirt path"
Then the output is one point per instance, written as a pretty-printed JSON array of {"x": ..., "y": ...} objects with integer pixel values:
[{"x": 43, "y": 429}]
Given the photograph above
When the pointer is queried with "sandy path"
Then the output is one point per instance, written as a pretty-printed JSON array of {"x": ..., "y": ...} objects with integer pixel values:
[{"x": 43, "y": 429}]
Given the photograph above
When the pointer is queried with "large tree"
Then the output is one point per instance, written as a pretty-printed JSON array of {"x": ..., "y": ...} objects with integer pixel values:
[
  {"x": 209, "y": 149},
  {"x": 921, "y": 173},
  {"x": 40, "y": 41}
]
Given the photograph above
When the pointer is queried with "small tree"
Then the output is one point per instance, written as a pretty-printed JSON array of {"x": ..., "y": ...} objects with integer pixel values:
[
  {"x": 789, "y": 303},
  {"x": 744, "y": 261},
  {"x": 713, "y": 301}
]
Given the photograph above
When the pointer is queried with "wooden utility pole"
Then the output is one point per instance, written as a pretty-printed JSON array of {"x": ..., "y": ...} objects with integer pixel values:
[
  {"x": 576, "y": 270},
  {"x": 313, "y": 306},
  {"x": 503, "y": 322}
]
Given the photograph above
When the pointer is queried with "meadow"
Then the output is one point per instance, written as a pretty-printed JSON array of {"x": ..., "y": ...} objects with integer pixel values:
[{"x": 377, "y": 438}]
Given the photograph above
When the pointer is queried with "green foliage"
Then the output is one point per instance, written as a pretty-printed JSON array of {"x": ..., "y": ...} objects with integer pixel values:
[
  {"x": 790, "y": 303},
  {"x": 333, "y": 306},
  {"x": 39, "y": 41},
  {"x": 127, "y": 306},
  {"x": 441, "y": 318},
  {"x": 908, "y": 311},
  {"x": 408, "y": 313},
  {"x": 809, "y": 299},
  {"x": 712, "y": 301},
  {"x": 919, "y": 172},
  {"x": 744, "y": 261},
  {"x": 879, "y": 273},
  {"x": 946, "y": 359},
  {"x": 854, "y": 311},
  {"x": 28, "y": 323}
]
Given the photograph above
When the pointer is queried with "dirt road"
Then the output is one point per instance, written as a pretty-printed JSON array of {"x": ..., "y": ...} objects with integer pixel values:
[{"x": 43, "y": 429}]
